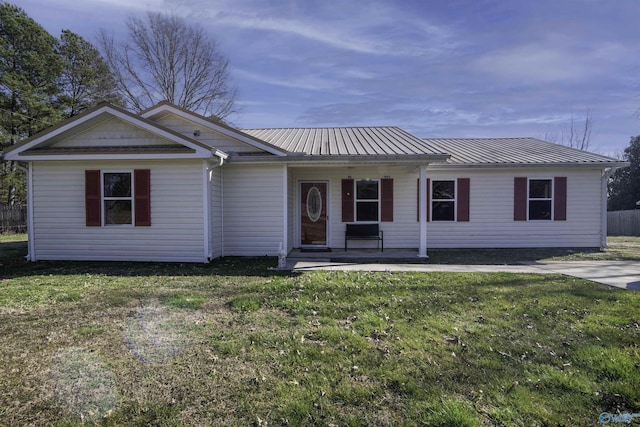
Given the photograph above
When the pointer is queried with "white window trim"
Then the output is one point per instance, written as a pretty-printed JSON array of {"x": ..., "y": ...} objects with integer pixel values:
[
  {"x": 455, "y": 200},
  {"x": 103, "y": 198},
  {"x": 529, "y": 199},
  {"x": 356, "y": 200}
]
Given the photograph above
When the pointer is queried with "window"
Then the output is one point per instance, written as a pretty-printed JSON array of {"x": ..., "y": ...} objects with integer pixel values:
[
  {"x": 443, "y": 201},
  {"x": 540, "y": 199},
  {"x": 117, "y": 198},
  {"x": 367, "y": 200},
  {"x": 113, "y": 198}
]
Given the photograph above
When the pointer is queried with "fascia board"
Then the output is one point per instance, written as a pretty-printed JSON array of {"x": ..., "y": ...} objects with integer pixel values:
[
  {"x": 341, "y": 160},
  {"x": 600, "y": 165},
  {"x": 107, "y": 156}
]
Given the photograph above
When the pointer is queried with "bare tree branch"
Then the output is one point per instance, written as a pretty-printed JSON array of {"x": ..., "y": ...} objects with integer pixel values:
[
  {"x": 574, "y": 135},
  {"x": 166, "y": 59}
]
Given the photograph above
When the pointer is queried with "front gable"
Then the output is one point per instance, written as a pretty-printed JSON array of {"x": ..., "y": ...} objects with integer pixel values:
[
  {"x": 210, "y": 131},
  {"x": 207, "y": 135},
  {"x": 108, "y": 132}
]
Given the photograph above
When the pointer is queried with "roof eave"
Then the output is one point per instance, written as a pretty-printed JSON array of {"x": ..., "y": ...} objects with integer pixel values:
[
  {"x": 110, "y": 156},
  {"x": 600, "y": 165},
  {"x": 343, "y": 159}
]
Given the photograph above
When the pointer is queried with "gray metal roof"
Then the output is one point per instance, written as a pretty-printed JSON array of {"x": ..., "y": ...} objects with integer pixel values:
[
  {"x": 361, "y": 141},
  {"x": 391, "y": 140},
  {"x": 516, "y": 151}
]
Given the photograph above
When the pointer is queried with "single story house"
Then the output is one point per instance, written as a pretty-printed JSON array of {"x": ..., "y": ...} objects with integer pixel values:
[{"x": 171, "y": 185}]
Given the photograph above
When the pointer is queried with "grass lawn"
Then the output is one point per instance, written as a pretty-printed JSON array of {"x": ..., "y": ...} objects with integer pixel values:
[
  {"x": 233, "y": 343},
  {"x": 621, "y": 248}
]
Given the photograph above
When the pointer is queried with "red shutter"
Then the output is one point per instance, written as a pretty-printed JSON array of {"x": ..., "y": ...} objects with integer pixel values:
[
  {"x": 142, "y": 195},
  {"x": 386, "y": 196},
  {"x": 347, "y": 200},
  {"x": 92, "y": 196},
  {"x": 560, "y": 198},
  {"x": 428, "y": 198},
  {"x": 520, "y": 199},
  {"x": 464, "y": 187}
]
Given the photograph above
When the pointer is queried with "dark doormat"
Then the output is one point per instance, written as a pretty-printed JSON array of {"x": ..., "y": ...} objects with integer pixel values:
[{"x": 315, "y": 249}]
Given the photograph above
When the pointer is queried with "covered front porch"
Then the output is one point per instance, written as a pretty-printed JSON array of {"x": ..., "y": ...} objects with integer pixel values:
[{"x": 321, "y": 201}]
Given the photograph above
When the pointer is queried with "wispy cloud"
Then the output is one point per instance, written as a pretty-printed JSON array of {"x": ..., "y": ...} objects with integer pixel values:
[
  {"x": 370, "y": 30},
  {"x": 307, "y": 83},
  {"x": 545, "y": 62}
]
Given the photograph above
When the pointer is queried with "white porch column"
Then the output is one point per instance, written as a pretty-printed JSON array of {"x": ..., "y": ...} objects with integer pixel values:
[
  {"x": 285, "y": 209},
  {"x": 422, "y": 208}
]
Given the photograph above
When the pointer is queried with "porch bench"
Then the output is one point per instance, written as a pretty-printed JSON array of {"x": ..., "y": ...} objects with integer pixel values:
[{"x": 364, "y": 232}]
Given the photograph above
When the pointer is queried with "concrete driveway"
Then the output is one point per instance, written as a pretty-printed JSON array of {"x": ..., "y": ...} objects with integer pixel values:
[{"x": 620, "y": 274}]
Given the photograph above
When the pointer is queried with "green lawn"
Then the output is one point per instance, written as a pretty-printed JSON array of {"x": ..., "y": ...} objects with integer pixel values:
[{"x": 233, "y": 343}]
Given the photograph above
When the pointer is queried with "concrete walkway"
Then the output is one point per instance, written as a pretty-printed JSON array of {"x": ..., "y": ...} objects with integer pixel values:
[{"x": 620, "y": 274}]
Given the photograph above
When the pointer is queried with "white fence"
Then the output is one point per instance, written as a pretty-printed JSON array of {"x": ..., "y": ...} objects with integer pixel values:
[{"x": 623, "y": 223}]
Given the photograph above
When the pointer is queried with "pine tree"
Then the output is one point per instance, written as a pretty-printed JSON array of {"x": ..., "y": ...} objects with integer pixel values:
[
  {"x": 86, "y": 79},
  {"x": 29, "y": 72}
]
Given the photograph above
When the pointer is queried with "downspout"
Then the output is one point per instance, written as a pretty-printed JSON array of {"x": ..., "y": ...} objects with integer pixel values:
[
  {"x": 210, "y": 173},
  {"x": 31, "y": 254},
  {"x": 606, "y": 174}
]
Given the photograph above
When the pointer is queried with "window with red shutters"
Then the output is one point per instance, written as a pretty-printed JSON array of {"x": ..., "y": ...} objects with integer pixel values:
[
  {"x": 109, "y": 194},
  {"x": 367, "y": 200},
  {"x": 540, "y": 199}
]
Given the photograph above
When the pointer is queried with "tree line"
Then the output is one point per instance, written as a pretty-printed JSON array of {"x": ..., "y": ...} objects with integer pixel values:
[{"x": 46, "y": 79}]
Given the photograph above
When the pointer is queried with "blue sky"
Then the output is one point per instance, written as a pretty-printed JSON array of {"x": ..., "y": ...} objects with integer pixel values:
[{"x": 446, "y": 68}]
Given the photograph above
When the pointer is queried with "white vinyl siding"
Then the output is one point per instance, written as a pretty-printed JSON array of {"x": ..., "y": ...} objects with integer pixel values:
[
  {"x": 215, "y": 241},
  {"x": 114, "y": 132},
  {"x": 207, "y": 136},
  {"x": 176, "y": 232},
  {"x": 491, "y": 222},
  {"x": 253, "y": 209}
]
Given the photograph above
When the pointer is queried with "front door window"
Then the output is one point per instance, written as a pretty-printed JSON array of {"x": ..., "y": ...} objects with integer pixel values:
[
  {"x": 313, "y": 212},
  {"x": 314, "y": 204}
]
